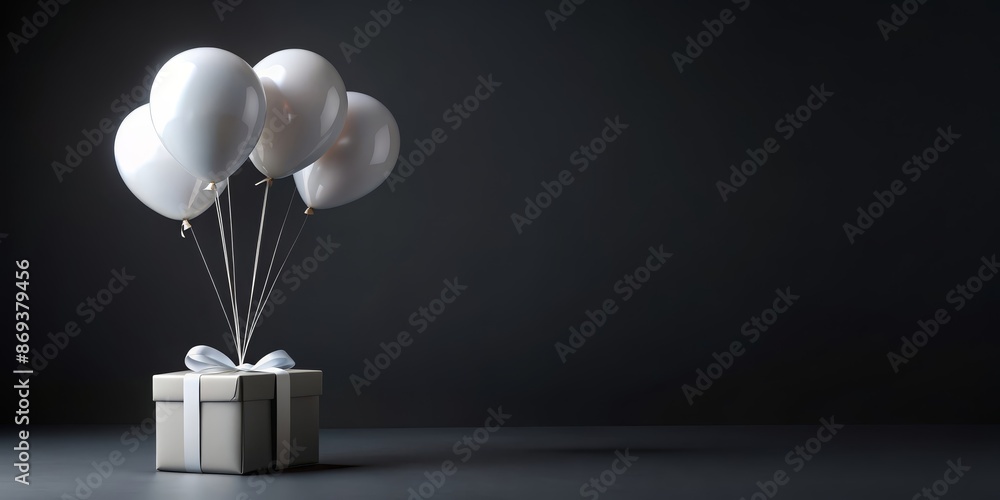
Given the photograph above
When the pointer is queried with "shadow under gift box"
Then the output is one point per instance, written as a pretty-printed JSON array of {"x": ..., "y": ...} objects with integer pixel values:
[{"x": 237, "y": 420}]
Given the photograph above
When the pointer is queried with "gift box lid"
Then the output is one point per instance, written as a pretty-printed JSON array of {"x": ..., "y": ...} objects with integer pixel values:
[{"x": 237, "y": 385}]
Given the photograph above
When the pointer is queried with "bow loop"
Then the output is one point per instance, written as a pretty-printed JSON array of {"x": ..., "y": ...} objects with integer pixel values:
[
  {"x": 274, "y": 359},
  {"x": 202, "y": 358}
]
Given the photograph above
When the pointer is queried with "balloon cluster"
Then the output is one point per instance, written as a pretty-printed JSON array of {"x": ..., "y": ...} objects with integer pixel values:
[{"x": 290, "y": 114}]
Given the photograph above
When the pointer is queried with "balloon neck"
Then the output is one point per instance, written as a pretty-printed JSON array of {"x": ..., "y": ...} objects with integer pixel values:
[
  {"x": 210, "y": 187},
  {"x": 309, "y": 211}
]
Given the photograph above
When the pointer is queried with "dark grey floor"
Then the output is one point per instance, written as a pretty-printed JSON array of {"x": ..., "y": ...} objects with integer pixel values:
[{"x": 550, "y": 463}]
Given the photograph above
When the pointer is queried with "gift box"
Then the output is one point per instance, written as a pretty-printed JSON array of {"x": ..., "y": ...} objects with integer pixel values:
[{"x": 237, "y": 422}]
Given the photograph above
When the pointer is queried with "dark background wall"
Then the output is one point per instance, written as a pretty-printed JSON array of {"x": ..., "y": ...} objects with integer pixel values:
[{"x": 655, "y": 185}]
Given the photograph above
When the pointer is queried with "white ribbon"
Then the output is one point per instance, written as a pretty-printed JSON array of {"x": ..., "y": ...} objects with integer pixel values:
[{"x": 203, "y": 359}]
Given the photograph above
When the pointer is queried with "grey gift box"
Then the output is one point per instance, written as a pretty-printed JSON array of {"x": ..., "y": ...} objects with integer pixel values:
[{"x": 237, "y": 420}]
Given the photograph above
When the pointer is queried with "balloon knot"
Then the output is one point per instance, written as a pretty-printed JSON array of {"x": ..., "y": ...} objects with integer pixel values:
[
  {"x": 309, "y": 211},
  {"x": 210, "y": 187},
  {"x": 268, "y": 180}
]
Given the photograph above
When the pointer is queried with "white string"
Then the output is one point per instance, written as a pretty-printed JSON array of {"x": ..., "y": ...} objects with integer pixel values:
[
  {"x": 256, "y": 257},
  {"x": 214, "y": 287},
  {"x": 282, "y": 267},
  {"x": 232, "y": 253},
  {"x": 225, "y": 257},
  {"x": 260, "y": 302},
  {"x": 278, "y": 274}
]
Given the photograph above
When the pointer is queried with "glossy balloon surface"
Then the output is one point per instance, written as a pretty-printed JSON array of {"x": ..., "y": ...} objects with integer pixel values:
[
  {"x": 358, "y": 162},
  {"x": 306, "y": 108},
  {"x": 207, "y": 107},
  {"x": 152, "y": 173}
]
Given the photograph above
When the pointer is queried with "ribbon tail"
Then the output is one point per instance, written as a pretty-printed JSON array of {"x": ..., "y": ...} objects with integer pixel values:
[
  {"x": 283, "y": 418},
  {"x": 192, "y": 422}
]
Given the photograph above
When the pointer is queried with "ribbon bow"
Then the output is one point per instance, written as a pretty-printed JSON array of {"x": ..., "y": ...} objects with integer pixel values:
[
  {"x": 205, "y": 359},
  {"x": 202, "y": 360}
]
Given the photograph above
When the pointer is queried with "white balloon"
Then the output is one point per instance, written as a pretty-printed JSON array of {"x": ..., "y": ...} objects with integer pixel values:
[
  {"x": 153, "y": 175},
  {"x": 208, "y": 106},
  {"x": 358, "y": 162},
  {"x": 307, "y": 104}
]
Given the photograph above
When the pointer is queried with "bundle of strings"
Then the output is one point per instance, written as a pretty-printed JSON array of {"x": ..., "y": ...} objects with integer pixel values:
[{"x": 242, "y": 333}]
